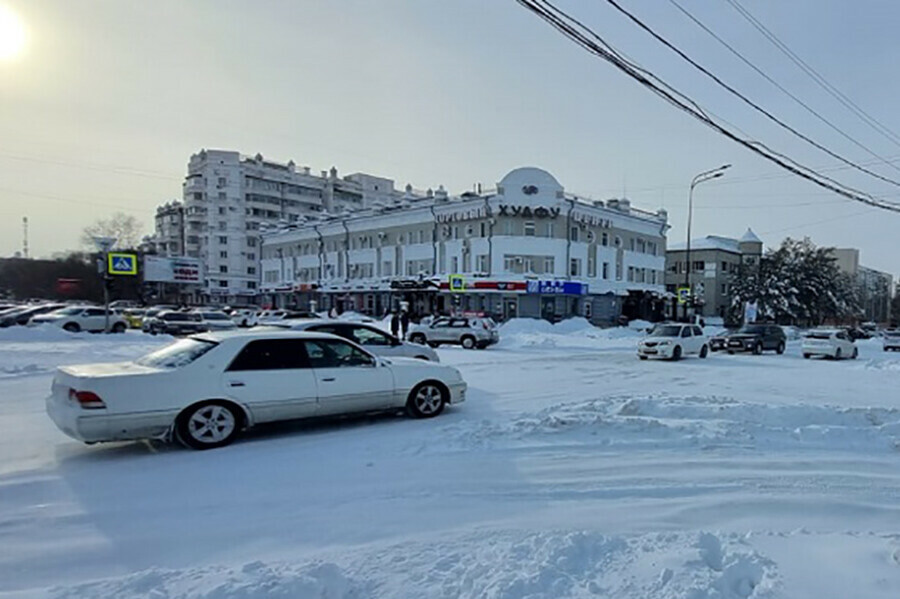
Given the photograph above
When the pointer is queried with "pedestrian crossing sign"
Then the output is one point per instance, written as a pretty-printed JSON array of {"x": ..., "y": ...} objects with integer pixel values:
[
  {"x": 457, "y": 283},
  {"x": 121, "y": 264}
]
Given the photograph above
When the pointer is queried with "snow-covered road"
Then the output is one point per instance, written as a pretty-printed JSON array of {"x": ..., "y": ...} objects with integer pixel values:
[{"x": 573, "y": 470}]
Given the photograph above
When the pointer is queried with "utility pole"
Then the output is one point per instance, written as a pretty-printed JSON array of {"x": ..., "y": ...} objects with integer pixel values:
[
  {"x": 25, "y": 237},
  {"x": 104, "y": 244},
  {"x": 698, "y": 179}
]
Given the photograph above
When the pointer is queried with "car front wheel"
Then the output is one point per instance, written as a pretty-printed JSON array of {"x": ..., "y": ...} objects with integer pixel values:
[
  {"x": 468, "y": 342},
  {"x": 118, "y": 328},
  {"x": 704, "y": 351},
  {"x": 757, "y": 349},
  {"x": 208, "y": 425},
  {"x": 676, "y": 353},
  {"x": 838, "y": 354},
  {"x": 855, "y": 354},
  {"x": 427, "y": 400},
  {"x": 72, "y": 327}
]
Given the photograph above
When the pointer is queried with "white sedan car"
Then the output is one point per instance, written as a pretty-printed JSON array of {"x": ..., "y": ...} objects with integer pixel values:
[
  {"x": 370, "y": 337},
  {"x": 829, "y": 343},
  {"x": 205, "y": 389},
  {"x": 891, "y": 340},
  {"x": 82, "y": 318},
  {"x": 674, "y": 341}
]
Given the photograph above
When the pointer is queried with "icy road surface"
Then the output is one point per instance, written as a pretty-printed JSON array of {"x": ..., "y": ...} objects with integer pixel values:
[{"x": 573, "y": 470}]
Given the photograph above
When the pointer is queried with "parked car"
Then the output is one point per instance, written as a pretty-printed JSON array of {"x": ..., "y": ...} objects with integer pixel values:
[
  {"x": 856, "y": 333},
  {"x": 172, "y": 322},
  {"x": 673, "y": 341},
  {"x": 244, "y": 317},
  {"x": 216, "y": 321},
  {"x": 368, "y": 336},
  {"x": 205, "y": 389},
  {"x": 21, "y": 316},
  {"x": 82, "y": 318},
  {"x": 891, "y": 340},
  {"x": 470, "y": 333},
  {"x": 134, "y": 317},
  {"x": 756, "y": 338},
  {"x": 829, "y": 343},
  {"x": 151, "y": 313},
  {"x": 276, "y": 316}
]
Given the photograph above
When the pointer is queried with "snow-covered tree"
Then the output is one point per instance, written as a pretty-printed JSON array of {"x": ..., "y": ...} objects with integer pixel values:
[{"x": 798, "y": 283}]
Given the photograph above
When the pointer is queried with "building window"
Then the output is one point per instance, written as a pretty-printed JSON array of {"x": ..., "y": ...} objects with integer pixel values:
[
  {"x": 529, "y": 228},
  {"x": 724, "y": 268},
  {"x": 251, "y": 270},
  {"x": 223, "y": 239},
  {"x": 483, "y": 229},
  {"x": 698, "y": 266},
  {"x": 454, "y": 264},
  {"x": 573, "y": 234},
  {"x": 251, "y": 256},
  {"x": 223, "y": 254},
  {"x": 591, "y": 265},
  {"x": 575, "y": 266},
  {"x": 724, "y": 288},
  {"x": 222, "y": 195},
  {"x": 548, "y": 230},
  {"x": 482, "y": 261},
  {"x": 221, "y": 182},
  {"x": 386, "y": 269},
  {"x": 606, "y": 270},
  {"x": 651, "y": 248},
  {"x": 470, "y": 230},
  {"x": 221, "y": 209},
  {"x": 618, "y": 241},
  {"x": 455, "y": 234},
  {"x": 604, "y": 240},
  {"x": 421, "y": 235},
  {"x": 508, "y": 227},
  {"x": 618, "y": 271},
  {"x": 630, "y": 274},
  {"x": 223, "y": 269},
  {"x": 223, "y": 283},
  {"x": 251, "y": 284},
  {"x": 549, "y": 265}
]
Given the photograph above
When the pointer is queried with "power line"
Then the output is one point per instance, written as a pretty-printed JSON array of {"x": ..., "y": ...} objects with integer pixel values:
[
  {"x": 70, "y": 200},
  {"x": 756, "y": 106},
  {"x": 120, "y": 170},
  {"x": 582, "y": 35},
  {"x": 815, "y": 76},
  {"x": 778, "y": 85}
]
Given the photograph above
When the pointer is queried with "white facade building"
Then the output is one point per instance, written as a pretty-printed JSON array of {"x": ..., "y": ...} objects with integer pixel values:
[
  {"x": 228, "y": 198},
  {"x": 525, "y": 249}
]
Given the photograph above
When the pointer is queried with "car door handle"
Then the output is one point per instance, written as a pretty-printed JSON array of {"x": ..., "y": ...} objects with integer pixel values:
[
  {"x": 328, "y": 380},
  {"x": 236, "y": 383}
]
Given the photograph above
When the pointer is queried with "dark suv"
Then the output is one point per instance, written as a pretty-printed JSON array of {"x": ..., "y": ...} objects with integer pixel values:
[
  {"x": 756, "y": 338},
  {"x": 177, "y": 323}
]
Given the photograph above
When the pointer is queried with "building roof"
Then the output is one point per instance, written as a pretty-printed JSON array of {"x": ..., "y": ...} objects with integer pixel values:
[
  {"x": 750, "y": 237},
  {"x": 710, "y": 242}
]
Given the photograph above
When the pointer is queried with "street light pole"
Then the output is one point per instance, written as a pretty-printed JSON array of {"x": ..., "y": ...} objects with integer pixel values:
[{"x": 698, "y": 179}]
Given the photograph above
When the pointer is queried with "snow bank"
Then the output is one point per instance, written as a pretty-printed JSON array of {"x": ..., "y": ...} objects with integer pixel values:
[
  {"x": 572, "y": 333},
  {"x": 21, "y": 334},
  {"x": 500, "y": 565}
]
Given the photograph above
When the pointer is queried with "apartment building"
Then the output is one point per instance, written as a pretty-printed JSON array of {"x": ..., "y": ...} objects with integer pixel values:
[
  {"x": 228, "y": 198},
  {"x": 526, "y": 248}
]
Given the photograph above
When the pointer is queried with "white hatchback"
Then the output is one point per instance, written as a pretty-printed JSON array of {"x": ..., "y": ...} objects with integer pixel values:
[
  {"x": 205, "y": 389},
  {"x": 829, "y": 343},
  {"x": 673, "y": 341},
  {"x": 82, "y": 318}
]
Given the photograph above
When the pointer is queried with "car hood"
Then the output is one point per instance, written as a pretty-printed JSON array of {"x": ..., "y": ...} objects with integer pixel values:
[
  {"x": 107, "y": 370},
  {"x": 743, "y": 336}
]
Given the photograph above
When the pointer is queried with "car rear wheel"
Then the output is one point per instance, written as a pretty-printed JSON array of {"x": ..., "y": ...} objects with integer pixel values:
[
  {"x": 72, "y": 327},
  {"x": 427, "y": 400},
  {"x": 417, "y": 338},
  {"x": 704, "y": 351},
  {"x": 208, "y": 425},
  {"x": 468, "y": 342},
  {"x": 780, "y": 348},
  {"x": 855, "y": 354},
  {"x": 807, "y": 356}
]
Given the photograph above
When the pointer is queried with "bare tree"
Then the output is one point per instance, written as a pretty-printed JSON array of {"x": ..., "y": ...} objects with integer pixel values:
[{"x": 125, "y": 228}]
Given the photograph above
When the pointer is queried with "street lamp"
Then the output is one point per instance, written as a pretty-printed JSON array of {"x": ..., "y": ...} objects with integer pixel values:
[{"x": 697, "y": 180}]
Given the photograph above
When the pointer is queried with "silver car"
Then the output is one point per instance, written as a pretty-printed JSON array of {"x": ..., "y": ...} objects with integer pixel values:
[
  {"x": 370, "y": 337},
  {"x": 471, "y": 333}
]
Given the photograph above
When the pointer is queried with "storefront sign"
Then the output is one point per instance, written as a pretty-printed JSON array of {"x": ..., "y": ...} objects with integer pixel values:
[
  {"x": 459, "y": 215},
  {"x": 527, "y": 211},
  {"x": 591, "y": 220},
  {"x": 476, "y": 286},
  {"x": 413, "y": 284},
  {"x": 173, "y": 270},
  {"x": 557, "y": 287}
]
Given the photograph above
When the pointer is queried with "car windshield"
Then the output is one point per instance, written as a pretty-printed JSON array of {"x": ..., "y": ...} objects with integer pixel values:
[
  {"x": 178, "y": 354},
  {"x": 182, "y": 317},
  {"x": 667, "y": 330},
  {"x": 820, "y": 335},
  {"x": 753, "y": 329}
]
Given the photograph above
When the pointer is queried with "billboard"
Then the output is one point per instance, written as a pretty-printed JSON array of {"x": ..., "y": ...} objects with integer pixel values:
[
  {"x": 557, "y": 287},
  {"x": 173, "y": 270}
]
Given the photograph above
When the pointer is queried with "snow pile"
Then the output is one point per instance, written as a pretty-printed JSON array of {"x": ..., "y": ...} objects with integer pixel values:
[
  {"x": 500, "y": 565},
  {"x": 640, "y": 325},
  {"x": 705, "y": 422},
  {"x": 38, "y": 333},
  {"x": 572, "y": 333}
]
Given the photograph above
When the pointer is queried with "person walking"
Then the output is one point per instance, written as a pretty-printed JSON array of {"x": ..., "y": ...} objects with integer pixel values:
[
  {"x": 404, "y": 324},
  {"x": 395, "y": 324}
]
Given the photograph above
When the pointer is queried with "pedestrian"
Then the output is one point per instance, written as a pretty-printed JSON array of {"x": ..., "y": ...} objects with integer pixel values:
[
  {"x": 395, "y": 324},
  {"x": 404, "y": 323}
]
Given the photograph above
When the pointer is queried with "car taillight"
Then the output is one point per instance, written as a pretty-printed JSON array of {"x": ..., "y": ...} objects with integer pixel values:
[{"x": 87, "y": 399}]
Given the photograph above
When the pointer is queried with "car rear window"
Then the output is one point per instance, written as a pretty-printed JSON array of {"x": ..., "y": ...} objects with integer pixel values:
[
  {"x": 815, "y": 335},
  {"x": 179, "y": 354}
]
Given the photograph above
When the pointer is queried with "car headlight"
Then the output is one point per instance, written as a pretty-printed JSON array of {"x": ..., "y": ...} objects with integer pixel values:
[{"x": 665, "y": 343}]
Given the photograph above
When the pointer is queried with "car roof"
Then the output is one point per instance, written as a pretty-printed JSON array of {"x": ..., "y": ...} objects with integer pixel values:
[
  {"x": 309, "y": 322},
  {"x": 261, "y": 333}
]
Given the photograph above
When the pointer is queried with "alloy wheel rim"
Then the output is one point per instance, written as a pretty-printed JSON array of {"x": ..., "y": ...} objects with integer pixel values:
[
  {"x": 211, "y": 424},
  {"x": 428, "y": 399}
]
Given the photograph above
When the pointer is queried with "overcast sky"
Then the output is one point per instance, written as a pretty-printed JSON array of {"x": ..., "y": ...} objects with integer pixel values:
[{"x": 110, "y": 97}]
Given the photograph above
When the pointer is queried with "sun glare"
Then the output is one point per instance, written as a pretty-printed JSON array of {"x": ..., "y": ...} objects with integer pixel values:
[{"x": 12, "y": 34}]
